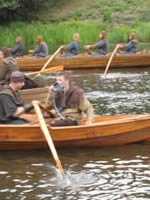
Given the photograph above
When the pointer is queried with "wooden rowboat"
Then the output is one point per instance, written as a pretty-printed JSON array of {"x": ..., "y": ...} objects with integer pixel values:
[
  {"x": 83, "y": 62},
  {"x": 106, "y": 131},
  {"x": 39, "y": 94}
]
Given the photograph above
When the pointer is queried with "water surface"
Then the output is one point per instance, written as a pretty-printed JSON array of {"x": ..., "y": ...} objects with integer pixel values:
[{"x": 114, "y": 173}]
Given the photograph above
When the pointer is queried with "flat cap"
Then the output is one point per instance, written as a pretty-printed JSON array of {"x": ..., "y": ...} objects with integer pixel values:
[{"x": 17, "y": 76}]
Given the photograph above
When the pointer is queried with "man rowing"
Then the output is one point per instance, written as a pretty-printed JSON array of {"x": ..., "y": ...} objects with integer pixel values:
[
  {"x": 11, "y": 102},
  {"x": 131, "y": 47},
  {"x": 69, "y": 102},
  {"x": 73, "y": 48},
  {"x": 41, "y": 49},
  {"x": 18, "y": 48},
  {"x": 102, "y": 47}
]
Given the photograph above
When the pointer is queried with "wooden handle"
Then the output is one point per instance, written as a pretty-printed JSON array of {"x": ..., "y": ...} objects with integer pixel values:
[
  {"x": 48, "y": 136},
  {"x": 46, "y": 110},
  {"x": 51, "y": 58},
  {"x": 110, "y": 59}
]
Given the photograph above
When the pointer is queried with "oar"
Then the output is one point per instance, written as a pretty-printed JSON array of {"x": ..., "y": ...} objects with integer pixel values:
[
  {"x": 48, "y": 136},
  {"x": 51, "y": 58},
  {"x": 110, "y": 60},
  {"x": 49, "y": 70},
  {"x": 46, "y": 110}
]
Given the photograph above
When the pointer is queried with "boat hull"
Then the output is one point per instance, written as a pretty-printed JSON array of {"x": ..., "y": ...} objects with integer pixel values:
[
  {"x": 106, "y": 131},
  {"x": 84, "y": 62}
]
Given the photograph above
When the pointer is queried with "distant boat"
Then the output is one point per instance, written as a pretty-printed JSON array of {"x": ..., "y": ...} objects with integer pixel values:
[{"x": 85, "y": 62}]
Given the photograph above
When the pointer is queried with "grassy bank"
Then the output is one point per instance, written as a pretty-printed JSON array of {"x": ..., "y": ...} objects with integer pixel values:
[{"x": 61, "y": 33}]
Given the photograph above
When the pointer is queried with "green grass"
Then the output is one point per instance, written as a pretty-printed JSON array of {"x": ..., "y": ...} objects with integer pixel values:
[{"x": 61, "y": 33}]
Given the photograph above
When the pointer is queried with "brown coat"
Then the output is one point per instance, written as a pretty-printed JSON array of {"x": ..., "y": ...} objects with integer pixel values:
[
  {"x": 73, "y": 104},
  {"x": 7, "y": 66}
]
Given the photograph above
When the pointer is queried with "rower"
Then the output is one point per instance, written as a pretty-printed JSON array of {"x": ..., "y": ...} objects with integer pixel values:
[
  {"x": 73, "y": 48},
  {"x": 41, "y": 49},
  {"x": 102, "y": 47},
  {"x": 8, "y": 65},
  {"x": 18, "y": 49},
  {"x": 69, "y": 102},
  {"x": 131, "y": 47},
  {"x": 11, "y": 102}
]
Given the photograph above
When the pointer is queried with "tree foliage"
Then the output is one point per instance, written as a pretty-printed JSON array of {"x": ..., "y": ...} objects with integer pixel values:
[{"x": 20, "y": 9}]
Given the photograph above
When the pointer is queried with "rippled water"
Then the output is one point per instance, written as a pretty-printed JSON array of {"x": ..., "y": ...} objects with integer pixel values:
[{"x": 114, "y": 173}]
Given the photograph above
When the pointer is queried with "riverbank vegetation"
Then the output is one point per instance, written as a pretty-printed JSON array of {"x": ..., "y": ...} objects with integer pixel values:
[
  {"x": 61, "y": 33},
  {"x": 57, "y": 20}
]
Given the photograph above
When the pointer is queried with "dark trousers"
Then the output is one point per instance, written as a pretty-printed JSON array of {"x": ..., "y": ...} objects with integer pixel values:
[{"x": 65, "y": 122}]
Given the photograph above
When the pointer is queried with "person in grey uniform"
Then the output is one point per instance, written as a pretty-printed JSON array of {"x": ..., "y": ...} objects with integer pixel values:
[
  {"x": 102, "y": 47},
  {"x": 18, "y": 49},
  {"x": 41, "y": 49},
  {"x": 131, "y": 47},
  {"x": 73, "y": 48}
]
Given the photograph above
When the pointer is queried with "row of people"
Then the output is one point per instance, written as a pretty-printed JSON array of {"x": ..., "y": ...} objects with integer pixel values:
[
  {"x": 73, "y": 49},
  {"x": 67, "y": 99}
]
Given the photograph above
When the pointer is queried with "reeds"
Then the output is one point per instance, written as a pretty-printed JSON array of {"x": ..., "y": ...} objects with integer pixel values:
[{"x": 61, "y": 33}]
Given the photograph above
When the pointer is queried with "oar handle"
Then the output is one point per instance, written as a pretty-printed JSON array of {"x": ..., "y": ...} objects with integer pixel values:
[
  {"x": 51, "y": 58},
  {"x": 48, "y": 136},
  {"x": 110, "y": 59},
  {"x": 46, "y": 110}
]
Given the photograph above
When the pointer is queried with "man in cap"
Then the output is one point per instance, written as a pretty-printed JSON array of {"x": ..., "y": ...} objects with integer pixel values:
[{"x": 11, "y": 102}]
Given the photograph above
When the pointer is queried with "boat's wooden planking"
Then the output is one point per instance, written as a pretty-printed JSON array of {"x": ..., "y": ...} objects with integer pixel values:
[
  {"x": 83, "y": 62},
  {"x": 106, "y": 131}
]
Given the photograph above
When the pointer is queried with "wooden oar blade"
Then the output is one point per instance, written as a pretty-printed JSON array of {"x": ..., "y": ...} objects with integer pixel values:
[
  {"x": 53, "y": 69},
  {"x": 49, "y": 70}
]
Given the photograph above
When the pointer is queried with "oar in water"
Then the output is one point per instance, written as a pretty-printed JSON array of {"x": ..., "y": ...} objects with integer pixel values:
[
  {"x": 110, "y": 60},
  {"x": 48, "y": 136}
]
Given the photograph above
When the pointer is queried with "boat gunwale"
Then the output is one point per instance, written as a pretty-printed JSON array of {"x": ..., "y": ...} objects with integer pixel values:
[{"x": 135, "y": 118}]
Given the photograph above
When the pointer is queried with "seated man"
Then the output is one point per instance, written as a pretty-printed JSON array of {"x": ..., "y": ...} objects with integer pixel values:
[
  {"x": 131, "y": 47},
  {"x": 18, "y": 49},
  {"x": 11, "y": 102},
  {"x": 41, "y": 49},
  {"x": 73, "y": 48},
  {"x": 102, "y": 47},
  {"x": 69, "y": 102},
  {"x": 8, "y": 65}
]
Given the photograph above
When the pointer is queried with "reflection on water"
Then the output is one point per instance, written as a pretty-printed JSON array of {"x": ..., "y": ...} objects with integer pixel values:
[
  {"x": 107, "y": 173},
  {"x": 118, "y": 173}
]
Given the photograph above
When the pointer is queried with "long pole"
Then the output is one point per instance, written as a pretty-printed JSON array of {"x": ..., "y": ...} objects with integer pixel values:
[
  {"x": 51, "y": 58},
  {"x": 48, "y": 136},
  {"x": 110, "y": 60}
]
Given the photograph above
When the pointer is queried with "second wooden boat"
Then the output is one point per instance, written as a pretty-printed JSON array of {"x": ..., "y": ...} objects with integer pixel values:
[{"x": 84, "y": 62}]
